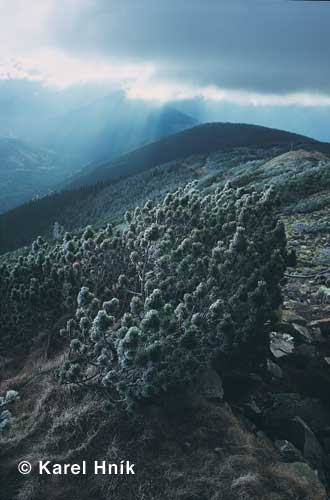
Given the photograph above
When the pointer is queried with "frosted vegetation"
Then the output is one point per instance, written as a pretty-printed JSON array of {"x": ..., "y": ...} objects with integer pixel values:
[{"x": 151, "y": 305}]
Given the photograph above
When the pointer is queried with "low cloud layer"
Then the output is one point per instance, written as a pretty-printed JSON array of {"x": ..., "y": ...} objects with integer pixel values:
[
  {"x": 260, "y": 46},
  {"x": 256, "y": 54},
  {"x": 273, "y": 47}
]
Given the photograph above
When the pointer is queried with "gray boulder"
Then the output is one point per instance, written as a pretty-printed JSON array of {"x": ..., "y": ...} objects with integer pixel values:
[
  {"x": 286, "y": 406},
  {"x": 289, "y": 452},
  {"x": 305, "y": 440},
  {"x": 281, "y": 344}
]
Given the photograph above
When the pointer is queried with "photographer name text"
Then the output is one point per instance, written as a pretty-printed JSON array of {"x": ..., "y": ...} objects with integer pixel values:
[{"x": 97, "y": 467}]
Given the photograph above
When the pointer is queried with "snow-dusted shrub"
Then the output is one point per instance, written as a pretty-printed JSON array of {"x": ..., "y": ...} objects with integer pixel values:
[
  {"x": 5, "y": 415},
  {"x": 189, "y": 278},
  {"x": 36, "y": 288}
]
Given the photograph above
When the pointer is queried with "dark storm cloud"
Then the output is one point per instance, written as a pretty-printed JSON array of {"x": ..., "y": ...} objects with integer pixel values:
[{"x": 267, "y": 46}]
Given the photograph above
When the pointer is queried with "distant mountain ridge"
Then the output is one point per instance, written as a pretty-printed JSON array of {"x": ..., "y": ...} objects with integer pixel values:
[
  {"x": 207, "y": 153},
  {"x": 97, "y": 132},
  {"x": 25, "y": 171},
  {"x": 205, "y": 138},
  {"x": 109, "y": 127}
]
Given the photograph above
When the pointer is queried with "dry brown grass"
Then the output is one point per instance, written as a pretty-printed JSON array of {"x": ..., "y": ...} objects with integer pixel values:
[{"x": 201, "y": 452}]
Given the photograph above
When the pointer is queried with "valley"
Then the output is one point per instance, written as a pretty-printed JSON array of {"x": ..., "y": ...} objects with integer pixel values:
[
  {"x": 26, "y": 172},
  {"x": 66, "y": 146}
]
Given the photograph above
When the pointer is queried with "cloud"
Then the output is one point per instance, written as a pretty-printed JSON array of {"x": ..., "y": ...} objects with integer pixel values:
[
  {"x": 61, "y": 70},
  {"x": 258, "y": 53},
  {"x": 23, "y": 25},
  {"x": 165, "y": 92},
  {"x": 268, "y": 46},
  {"x": 29, "y": 51}
]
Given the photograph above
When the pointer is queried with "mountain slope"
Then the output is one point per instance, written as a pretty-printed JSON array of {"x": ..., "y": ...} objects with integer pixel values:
[
  {"x": 202, "y": 139},
  {"x": 109, "y": 127},
  {"x": 81, "y": 126},
  {"x": 269, "y": 437},
  {"x": 25, "y": 172},
  {"x": 146, "y": 174}
]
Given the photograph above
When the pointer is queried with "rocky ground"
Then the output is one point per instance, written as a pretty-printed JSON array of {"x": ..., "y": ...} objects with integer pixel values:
[{"x": 290, "y": 403}]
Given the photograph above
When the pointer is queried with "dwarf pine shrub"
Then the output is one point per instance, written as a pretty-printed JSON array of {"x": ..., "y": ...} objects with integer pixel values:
[
  {"x": 5, "y": 415},
  {"x": 150, "y": 305},
  {"x": 40, "y": 286},
  {"x": 189, "y": 278}
]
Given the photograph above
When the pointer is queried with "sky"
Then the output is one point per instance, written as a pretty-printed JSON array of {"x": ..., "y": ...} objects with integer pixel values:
[{"x": 261, "y": 61}]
